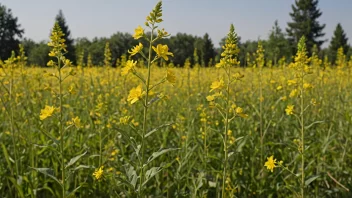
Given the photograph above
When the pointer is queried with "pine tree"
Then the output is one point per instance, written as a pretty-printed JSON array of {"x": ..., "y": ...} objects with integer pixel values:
[
  {"x": 338, "y": 40},
  {"x": 71, "y": 55},
  {"x": 305, "y": 14},
  {"x": 277, "y": 44},
  {"x": 208, "y": 50},
  {"x": 10, "y": 31}
]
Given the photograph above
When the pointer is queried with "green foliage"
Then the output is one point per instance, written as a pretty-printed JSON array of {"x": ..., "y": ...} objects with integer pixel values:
[
  {"x": 10, "y": 31},
  {"x": 277, "y": 46},
  {"x": 339, "y": 39},
  {"x": 305, "y": 15},
  {"x": 208, "y": 51}
]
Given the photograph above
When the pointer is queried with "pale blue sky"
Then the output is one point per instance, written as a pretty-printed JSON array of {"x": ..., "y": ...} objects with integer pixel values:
[{"x": 253, "y": 19}]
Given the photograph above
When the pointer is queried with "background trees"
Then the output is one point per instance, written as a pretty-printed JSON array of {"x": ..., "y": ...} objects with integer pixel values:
[
  {"x": 338, "y": 40},
  {"x": 67, "y": 36},
  {"x": 10, "y": 32},
  {"x": 278, "y": 44},
  {"x": 305, "y": 14}
]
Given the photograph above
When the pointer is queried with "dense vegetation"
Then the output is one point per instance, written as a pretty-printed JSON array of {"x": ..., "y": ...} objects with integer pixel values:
[{"x": 157, "y": 118}]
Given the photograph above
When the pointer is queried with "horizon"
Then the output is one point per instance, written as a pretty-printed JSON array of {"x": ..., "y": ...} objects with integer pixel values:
[{"x": 37, "y": 21}]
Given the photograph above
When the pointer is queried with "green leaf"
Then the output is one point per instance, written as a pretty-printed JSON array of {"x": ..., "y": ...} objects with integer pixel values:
[
  {"x": 132, "y": 175},
  {"x": 74, "y": 160},
  {"x": 81, "y": 167},
  {"x": 72, "y": 193},
  {"x": 157, "y": 129},
  {"x": 310, "y": 180},
  {"x": 158, "y": 153},
  {"x": 18, "y": 187},
  {"x": 151, "y": 173},
  {"x": 48, "y": 172},
  {"x": 7, "y": 157},
  {"x": 312, "y": 124}
]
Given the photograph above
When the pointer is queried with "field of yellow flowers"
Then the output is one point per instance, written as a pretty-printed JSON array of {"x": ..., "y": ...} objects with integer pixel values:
[{"x": 140, "y": 130}]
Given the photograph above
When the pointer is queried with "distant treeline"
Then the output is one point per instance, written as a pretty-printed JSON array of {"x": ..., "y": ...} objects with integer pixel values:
[{"x": 184, "y": 46}]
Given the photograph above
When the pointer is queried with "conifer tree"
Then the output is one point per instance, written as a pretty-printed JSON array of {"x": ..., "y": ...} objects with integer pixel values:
[
  {"x": 305, "y": 15},
  {"x": 339, "y": 39},
  {"x": 71, "y": 55}
]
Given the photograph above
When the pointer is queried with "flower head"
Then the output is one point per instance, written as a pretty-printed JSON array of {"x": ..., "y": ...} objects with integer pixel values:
[
  {"x": 136, "y": 49},
  {"x": 138, "y": 32},
  {"x": 98, "y": 174},
  {"x": 46, "y": 112},
  {"x": 130, "y": 64},
  {"x": 239, "y": 111},
  {"x": 271, "y": 163},
  {"x": 171, "y": 77},
  {"x": 135, "y": 94},
  {"x": 217, "y": 85},
  {"x": 163, "y": 51},
  {"x": 289, "y": 109}
]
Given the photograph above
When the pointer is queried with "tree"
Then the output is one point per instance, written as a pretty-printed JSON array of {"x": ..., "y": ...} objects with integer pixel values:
[
  {"x": 71, "y": 55},
  {"x": 38, "y": 54},
  {"x": 208, "y": 50},
  {"x": 339, "y": 39},
  {"x": 182, "y": 46},
  {"x": 277, "y": 45},
  {"x": 10, "y": 31},
  {"x": 305, "y": 23}
]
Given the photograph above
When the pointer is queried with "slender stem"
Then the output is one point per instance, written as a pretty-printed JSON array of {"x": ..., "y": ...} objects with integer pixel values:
[
  {"x": 226, "y": 129},
  {"x": 302, "y": 134},
  {"x": 12, "y": 122},
  {"x": 61, "y": 132},
  {"x": 261, "y": 112},
  {"x": 141, "y": 174}
]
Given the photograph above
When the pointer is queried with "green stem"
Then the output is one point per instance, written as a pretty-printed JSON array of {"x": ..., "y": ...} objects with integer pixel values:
[
  {"x": 226, "y": 129},
  {"x": 141, "y": 174},
  {"x": 302, "y": 135},
  {"x": 261, "y": 113},
  {"x": 61, "y": 132},
  {"x": 13, "y": 124}
]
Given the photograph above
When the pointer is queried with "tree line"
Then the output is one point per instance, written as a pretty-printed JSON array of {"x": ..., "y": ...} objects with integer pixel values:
[{"x": 279, "y": 44}]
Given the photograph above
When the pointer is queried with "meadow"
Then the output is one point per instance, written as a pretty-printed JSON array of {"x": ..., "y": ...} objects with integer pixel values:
[{"x": 145, "y": 130}]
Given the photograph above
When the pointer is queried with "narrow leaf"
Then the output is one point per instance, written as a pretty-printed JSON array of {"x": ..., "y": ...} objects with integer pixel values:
[
  {"x": 48, "y": 172},
  {"x": 310, "y": 180},
  {"x": 74, "y": 160},
  {"x": 157, "y": 129}
]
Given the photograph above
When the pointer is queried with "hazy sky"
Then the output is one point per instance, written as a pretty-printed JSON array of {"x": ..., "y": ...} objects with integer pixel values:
[{"x": 253, "y": 19}]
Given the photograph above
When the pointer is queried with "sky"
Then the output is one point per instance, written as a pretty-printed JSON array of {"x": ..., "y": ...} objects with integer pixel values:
[{"x": 253, "y": 19}]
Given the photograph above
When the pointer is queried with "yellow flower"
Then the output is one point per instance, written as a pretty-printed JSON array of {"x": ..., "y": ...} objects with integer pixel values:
[
  {"x": 125, "y": 120},
  {"x": 98, "y": 173},
  {"x": 222, "y": 63},
  {"x": 293, "y": 93},
  {"x": 271, "y": 163},
  {"x": 130, "y": 64},
  {"x": 279, "y": 87},
  {"x": 163, "y": 51},
  {"x": 291, "y": 82},
  {"x": 136, "y": 49},
  {"x": 114, "y": 152},
  {"x": 313, "y": 101},
  {"x": 77, "y": 122},
  {"x": 307, "y": 86},
  {"x": 217, "y": 85},
  {"x": 289, "y": 109},
  {"x": 135, "y": 94},
  {"x": 239, "y": 111},
  {"x": 138, "y": 32},
  {"x": 46, "y": 112},
  {"x": 214, "y": 96},
  {"x": 171, "y": 77}
]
